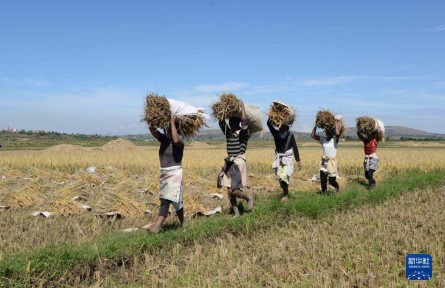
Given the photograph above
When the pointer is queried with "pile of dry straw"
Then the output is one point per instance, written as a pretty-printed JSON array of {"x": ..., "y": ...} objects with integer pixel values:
[
  {"x": 157, "y": 114},
  {"x": 368, "y": 126},
  {"x": 280, "y": 114},
  {"x": 227, "y": 106},
  {"x": 326, "y": 120}
]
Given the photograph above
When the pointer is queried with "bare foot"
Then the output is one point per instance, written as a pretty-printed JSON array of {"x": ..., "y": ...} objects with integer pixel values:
[
  {"x": 153, "y": 229},
  {"x": 284, "y": 199}
]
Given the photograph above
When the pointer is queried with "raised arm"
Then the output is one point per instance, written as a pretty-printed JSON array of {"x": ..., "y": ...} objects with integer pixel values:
[
  {"x": 360, "y": 136},
  {"x": 155, "y": 133},
  {"x": 314, "y": 134},
  {"x": 174, "y": 132},
  {"x": 244, "y": 120},
  {"x": 337, "y": 129},
  {"x": 272, "y": 129},
  {"x": 296, "y": 153},
  {"x": 224, "y": 127}
]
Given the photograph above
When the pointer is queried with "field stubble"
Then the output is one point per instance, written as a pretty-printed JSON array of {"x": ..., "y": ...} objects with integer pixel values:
[
  {"x": 126, "y": 180},
  {"x": 363, "y": 247}
]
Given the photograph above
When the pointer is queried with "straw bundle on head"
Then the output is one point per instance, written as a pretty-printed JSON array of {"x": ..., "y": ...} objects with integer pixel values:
[
  {"x": 190, "y": 124},
  {"x": 325, "y": 120},
  {"x": 367, "y": 126},
  {"x": 343, "y": 127},
  {"x": 227, "y": 106},
  {"x": 157, "y": 111},
  {"x": 280, "y": 114},
  {"x": 380, "y": 136}
]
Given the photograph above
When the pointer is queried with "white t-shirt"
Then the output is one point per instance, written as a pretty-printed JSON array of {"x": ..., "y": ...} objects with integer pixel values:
[{"x": 329, "y": 147}]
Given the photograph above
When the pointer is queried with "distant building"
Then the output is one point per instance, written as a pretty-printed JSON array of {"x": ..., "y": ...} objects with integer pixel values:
[{"x": 11, "y": 130}]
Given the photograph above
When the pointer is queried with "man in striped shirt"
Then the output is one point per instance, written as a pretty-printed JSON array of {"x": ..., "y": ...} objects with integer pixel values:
[{"x": 234, "y": 173}]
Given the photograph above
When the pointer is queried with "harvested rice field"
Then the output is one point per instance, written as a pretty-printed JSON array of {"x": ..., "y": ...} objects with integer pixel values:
[
  {"x": 363, "y": 247},
  {"x": 77, "y": 186}
]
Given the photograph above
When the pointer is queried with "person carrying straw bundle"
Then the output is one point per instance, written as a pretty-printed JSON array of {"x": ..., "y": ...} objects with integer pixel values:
[
  {"x": 176, "y": 119},
  {"x": 171, "y": 151},
  {"x": 332, "y": 129},
  {"x": 233, "y": 175},
  {"x": 158, "y": 109},
  {"x": 370, "y": 132},
  {"x": 282, "y": 116}
]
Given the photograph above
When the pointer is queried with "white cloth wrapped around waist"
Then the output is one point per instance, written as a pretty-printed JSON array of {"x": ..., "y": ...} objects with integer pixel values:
[
  {"x": 240, "y": 161},
  {"x": 329, "y": 165},
  {"x": 171, "y": 183},
  {"x": 284, "y": 159}
]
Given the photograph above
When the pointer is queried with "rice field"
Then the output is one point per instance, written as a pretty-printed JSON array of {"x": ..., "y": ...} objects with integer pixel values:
[
  {"x": 364, "y": 247},
  {"x": 125, "y": 181}
]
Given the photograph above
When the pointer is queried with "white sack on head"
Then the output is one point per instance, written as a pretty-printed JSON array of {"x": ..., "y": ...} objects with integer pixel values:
[
  {"x": 292, "y": 115},
  {"x": 255, "y": 118},
  {"x": 380, "y": 125},
  {"x": 179, "y": 108}
]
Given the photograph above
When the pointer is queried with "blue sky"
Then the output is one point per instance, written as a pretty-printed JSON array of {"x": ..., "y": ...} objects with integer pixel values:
[{"x": 86, "y": 66}]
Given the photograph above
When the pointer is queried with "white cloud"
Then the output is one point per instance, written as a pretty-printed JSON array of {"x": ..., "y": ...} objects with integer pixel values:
[
  {"x": 216, "y": 88},
  {"x": 438, "y": 28},
  {"x": 328, "y": 81},
  {"x": 35, "y": 83}
]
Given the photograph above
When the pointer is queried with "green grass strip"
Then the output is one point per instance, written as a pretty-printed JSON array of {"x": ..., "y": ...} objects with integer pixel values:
[{"x": 52, "y": 261}]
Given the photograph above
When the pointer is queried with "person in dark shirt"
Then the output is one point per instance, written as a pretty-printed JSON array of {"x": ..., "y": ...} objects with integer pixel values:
[
  {"x": 171, "y": 150},
  {"x": 285, "y": 148},
  {"x": 234, "y": 173}
]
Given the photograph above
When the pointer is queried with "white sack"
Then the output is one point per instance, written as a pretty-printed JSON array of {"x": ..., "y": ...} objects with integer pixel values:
[
  {"x": 291, "y": 117},
  {"x": 255, "y": 117},
  {"x": 179, "y": 108}
]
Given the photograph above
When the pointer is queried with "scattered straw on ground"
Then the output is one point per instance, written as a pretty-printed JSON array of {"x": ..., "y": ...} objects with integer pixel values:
[
  {"x": 119, "y": 144},
  {"x": 66, "y": 148},
  {"x": 198, "y": 144}
]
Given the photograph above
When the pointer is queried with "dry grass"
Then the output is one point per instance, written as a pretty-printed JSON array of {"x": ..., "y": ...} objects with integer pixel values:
[
  {"x": 227, "y": 106},
  {"x": 280, "y": 114},
  {"x": 126, "y": 181},
  {"x": 190, "y": 124},
  {"x": 366, "y": 125},
  {"x": 157, "y": 112},
  {"x": 364, "y": 247},
  {"x": 325, "y": 120}
]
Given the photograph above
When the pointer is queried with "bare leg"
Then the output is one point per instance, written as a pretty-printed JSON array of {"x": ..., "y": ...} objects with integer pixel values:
[
  {"x": 233, "y": 202},
  {"x": 180, "y": 215},
  {"x": 285, "y": 188},
  {"x": 155, "y": 227}
]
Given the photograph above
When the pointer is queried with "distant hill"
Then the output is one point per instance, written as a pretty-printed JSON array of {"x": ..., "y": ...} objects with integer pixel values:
[
  {"x": 392, "y": 132},
  {"x": 397, "y": 132}
]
